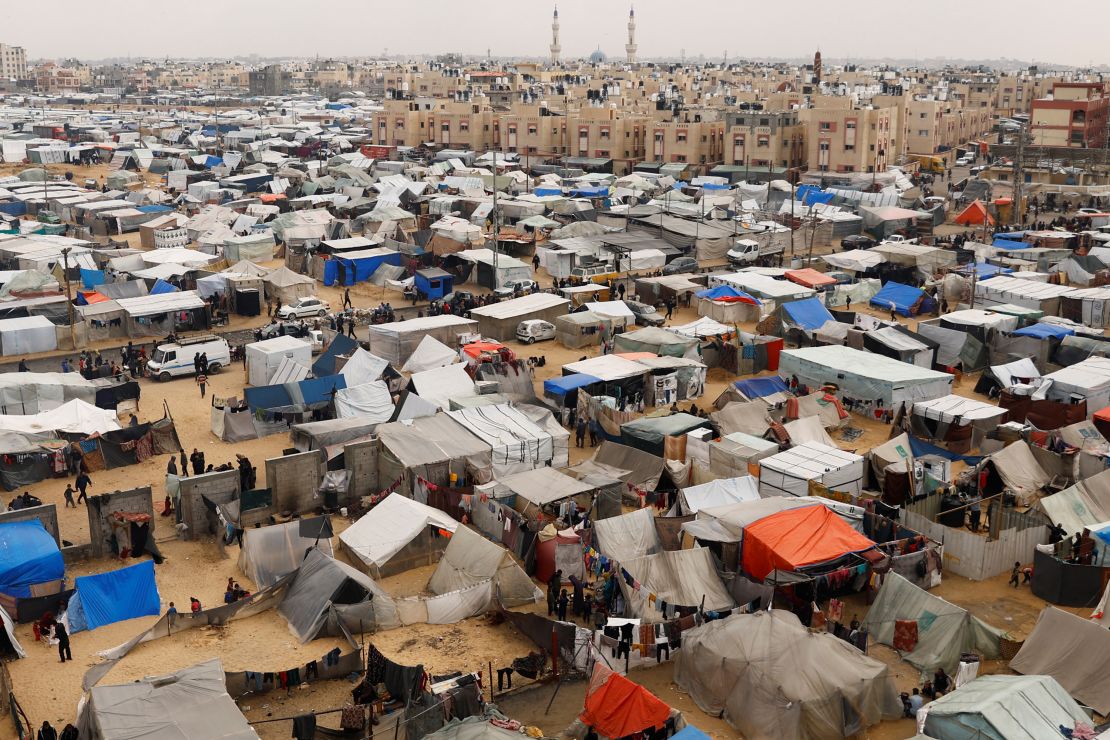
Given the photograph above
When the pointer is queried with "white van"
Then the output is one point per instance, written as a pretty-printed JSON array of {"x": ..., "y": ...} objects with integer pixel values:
[
  {"x": 176, "y": 358},
  {"x": 530, "y": 331}
]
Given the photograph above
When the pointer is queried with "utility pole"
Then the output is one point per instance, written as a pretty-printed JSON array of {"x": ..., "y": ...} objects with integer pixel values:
[
  {"x": 1019, "y": 171},
  {"x": 69, "y": 300},
  {"x": 496, "y": 228}
]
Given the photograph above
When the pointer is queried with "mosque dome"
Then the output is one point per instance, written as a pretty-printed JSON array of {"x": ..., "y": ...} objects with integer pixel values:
[{"x": 598, "y": 57}]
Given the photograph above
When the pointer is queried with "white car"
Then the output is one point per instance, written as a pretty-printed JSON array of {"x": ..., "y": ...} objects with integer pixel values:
[
  {"x": 303, "y": 308},
  {"x": 531, "y": 331}
]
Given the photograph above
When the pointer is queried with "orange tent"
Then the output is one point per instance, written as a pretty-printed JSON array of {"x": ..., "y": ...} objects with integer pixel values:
[
  {"x": 796, "y": 538},
  {"x": 976, "y": 213},
  {"x": 617, "y": 707},
  {"x": 810, "y": 278},
  {"x": 1101, "y": 420}
]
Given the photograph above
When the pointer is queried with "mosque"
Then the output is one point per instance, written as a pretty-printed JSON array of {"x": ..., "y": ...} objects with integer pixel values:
[{"x": 598, "y": 57}]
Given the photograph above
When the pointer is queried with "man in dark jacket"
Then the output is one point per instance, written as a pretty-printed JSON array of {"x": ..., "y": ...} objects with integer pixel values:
[
  {"x": 553, "y": 586},
  {"x": 63, "y": 642}
]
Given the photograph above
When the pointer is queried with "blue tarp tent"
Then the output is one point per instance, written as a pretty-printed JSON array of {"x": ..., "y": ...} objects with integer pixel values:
[
  {"x": 809, "y": 314},
  {"x": 325, "y": 363},
  {"x": 1009, "y": 244},
  {"x": 212, "y": 161},
  {"x": 727, "y": 291},
  {"x": 713, "y": 186},
  {"x": 755, "y": 388},
  {"x": 1044, "y": 330},
  {"x": 15, "y": 208},
  {"x": 921, "y": 448},
  {"x": 811, "y": 195},
  {"x": 153, "y": 209},
  {"x": 162, "y": 287},
  {"x": 689, "y": 732},
  {"x": 904, "y": 298},
  {"x": 565, "y": 384},
  {"x": 319, "y": 390},
  {"x": 358, "y": 269},
  {"x": 92, "y": 278},
  {"x": 304, "y": 392},
  {"x": 1015, "y": 235},
  {"x": 106, "y": 598},
  {"x": 548, "y": 191},
  {"x": 598, "y": 192},
  {"x": 984, "y": 270},
  {"x": 267, "y": 397},
  {"x": 28, "y": 556}
]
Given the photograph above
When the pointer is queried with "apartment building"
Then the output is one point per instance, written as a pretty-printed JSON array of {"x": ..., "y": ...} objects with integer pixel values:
[
  {"x": 54, "y": 79},
  {"x": 691, "y": 140},
  {"x": 761, "y": 139},
  {"x": 1074, "y": 116},
  {"x": 582, "y": 133},
  {"x": 848, "y": 140},
  {"x": 13, "y": 62}
]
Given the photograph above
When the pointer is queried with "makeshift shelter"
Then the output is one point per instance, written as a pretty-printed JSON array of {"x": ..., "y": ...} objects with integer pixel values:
[
  {"x": 582, "y": 329},
  {"x": 30, "y": 393},
  {"x": 500, "y": 320},
  {"x": 30, "y": 563},
  {"x": 1072, "y": 650},
  {"x": 809, "y": 314},
  {"x": 655, "y": 434},
  {"x": 719, "y": 492},
  {"x": 799, "y": 538},
  {"x": 72, "y": 417},
  {"x": 470, "y": 560},
  {"x": 734, "y": 454},
  {"x": 105, "y": 598},
  {"x": 628, "y": 536},
  {"x": 1081, "y": 506},
  {"x": 190, "y": 703},
  {"x": 748, "y": 417},
  {"x": 789, "y": 473},
  {"x": 905, "y": 299},
  {"x": 286, "y": 286},
  {"x": 27, "y": 335},
  {"x": 431, "y": 447},
  {"x": 1004, "y": 708},
  {"x": 864, "y": 376},
  {"x": 325, "y": 594},
  {"x": 396, "y": 535},
  {"x": 686, "y": 578},
  {"x": 270, "y": 553},
  {"x": 617, "y": 707},
  {"x": 442, "y": 385},
  {"x": 1088, "y": 380},
  {"x": 728, "y": 305},
  {"x": 810, "y": 278},
  {"x": 944, "y": 631},
  {"x": 771, "y": 678},
  {"x": 1003, "y": 290},
  {"x": 430, "y": 354},
  {"x": 657, "y": 341},
  {"x": 974, "y": 215},
  {"x": 265, "y": 357},
  {"x": 1016, "y": 468},
  {"x": 398, "y": 340},
  {"x": 517, "y": 443}
]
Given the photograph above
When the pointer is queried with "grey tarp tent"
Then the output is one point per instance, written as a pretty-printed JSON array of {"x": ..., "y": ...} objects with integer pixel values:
[
  {"x": 1081, "y": 506},
  {"x": 749, "y": 417},
  {"x": 431, "y": 447},
  {"x": 628, "y": 536},
  {"x": 1004, "y": 708},
  {"x": 944, "y": 630},
  {"x": 771, "y": 678},
  {"x": 1074, "y": 651},
  {"x": 679, "y": 577},
  {"x": 191, "y": 703},
  {"x": 395, "y": 535},
  {"x": 269, "y": 553},
  {"x": 471, "y": 559}
]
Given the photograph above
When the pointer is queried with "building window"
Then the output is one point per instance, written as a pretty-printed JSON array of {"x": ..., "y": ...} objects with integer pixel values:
[
  {"x": 532, "y": 129},
  {"x": 826, "y": 126},
  {"x": 464, "y": 126},
  {"x": 604, "y": 134},
  {"x": 680, "y": 157},
  {"x": 763, "y": 141},
  {"x": 680, "y": 137}
]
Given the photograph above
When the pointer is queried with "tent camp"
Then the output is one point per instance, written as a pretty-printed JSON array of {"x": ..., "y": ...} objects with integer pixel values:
[
  {"x": 616, "y": 707},
  {"x": 441, "y": 385},
  {"x": 190, "y": 703},
  {"x": 798, "y": 538},
  {"x": 29, "y": 559},
  {"x": 105, "y": 598},
  {"x": 628, "y": 536},
  {"x": 772, "y": 679},
  {"x": 1081, "y": 506},
  {"x": 864, "y": 375},
  {"x": 1072, "y": 650},
  {"x": 975, "y": 214},
  {"x": 720, "y": 492},
  {"x": 1088, "y": 379},
  {"x": 500, "y": 320},
  {"x": 326, "y": 594},
  {"x": 944, "y": 630},
  {"x": 430, "y": 354},
  {"x": 1004, "y": 708},
  {"x": 431, "y": 447},
  {"x": 652, "y": 433},
  {"x": 397, "y": 340},
  {"x": 264, "y": 358},
  {"x": 30, "y": 393},
  {"x": 731, "y": 455},
  {"x": 397, "y": 535},
  {"x": 270, "y": 553},
  {"x": 1019, "y": 471},
  {"x": 789, "y": 473},
  {"x": 517, "y": 443},
  {"x": 657, "y": 341},
  {"x": 72, "y": 417},
  {"x": 470, "y": 560},
  {"x": 679, "y": 577},
  {"x": 27, "y": 335},
  {"x": 905, "y": 299}
]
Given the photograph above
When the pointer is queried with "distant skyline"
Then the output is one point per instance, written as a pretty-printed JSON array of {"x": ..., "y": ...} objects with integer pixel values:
[{"x": 1069, "y": 34}]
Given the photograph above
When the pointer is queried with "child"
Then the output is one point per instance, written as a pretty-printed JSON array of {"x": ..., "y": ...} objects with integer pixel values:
[{"x": 1014, "y": 575}]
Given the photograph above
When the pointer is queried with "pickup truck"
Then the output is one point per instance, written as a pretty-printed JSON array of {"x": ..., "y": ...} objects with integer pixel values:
[{"x": 747, "y": 252}]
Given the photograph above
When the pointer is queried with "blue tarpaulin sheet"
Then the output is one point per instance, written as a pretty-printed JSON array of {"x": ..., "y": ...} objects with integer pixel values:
[
  {"x": 548, "y": 191},
  {"x": 759, "y": 387},
  {"x": 1044, "y": 330},
  {"x": 1009, "y": 244},
  {"x": 359, "y": 269},
  {"x": 985, "y": 270},
  {"x": 92, "y": 278},
  {"x": 1016, "y": 235},
  {"x": 28, "y": 556},
  {"x": 689, "y": 732},
  {"x": 714, "y": 186},
  {"x": 319, "y": 390},
  {"x": 153, "y": 209},
  {"x": 726, "y": 291},
  {"x": 920, "y": 447},
  {"x": 903, "y": 297},
  {"x": 325, "y": 363},
  {"x": 599, "y": 192},
  {"x": 267, "y": 397},
  {"x": 213, "y": 161},
  {"x": 118, "y": 595},
  {"x": 809, "y": 314},
  {"x": 562, "y": 385},
  {"x": 162, "y": 287},
  {"x": 15, "y": 208}
]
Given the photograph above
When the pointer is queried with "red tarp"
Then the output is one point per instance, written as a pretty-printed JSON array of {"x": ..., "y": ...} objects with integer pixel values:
[
  {"x": 796, "y": 538},
  {"x": 617, "y": 707},
  {"x": 976, "y": 213},
  {"x": 809, "y": 277},
  {"x": 1101, "y": 420}
]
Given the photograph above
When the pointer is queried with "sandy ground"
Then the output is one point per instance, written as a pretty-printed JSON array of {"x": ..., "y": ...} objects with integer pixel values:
[{"x": 265, "y": 643}]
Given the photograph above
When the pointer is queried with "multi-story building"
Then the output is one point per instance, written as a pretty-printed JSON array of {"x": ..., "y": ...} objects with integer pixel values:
[
  {"x": 760, "y": 139},
  {"x": 846, "y": 140},
  {"x": 51, "y": 78},
  {"x": 13, "y": 62},
  {"x": 1074, "y": 116},
  {"x": 691, "y": 140}
]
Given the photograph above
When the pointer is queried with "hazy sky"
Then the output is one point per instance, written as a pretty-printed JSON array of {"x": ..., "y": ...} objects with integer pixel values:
[{"x": 1067, "y": 33}]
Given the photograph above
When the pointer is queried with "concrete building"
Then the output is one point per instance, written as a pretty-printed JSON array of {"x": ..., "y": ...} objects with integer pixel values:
[
  {"x": 847, "y": 140},
  {"x": 13, "y": 62},
  {"x": 758, "y": 139},
  {"x": 1074, "y": 116},
  {"x": 52, "y": 78}
]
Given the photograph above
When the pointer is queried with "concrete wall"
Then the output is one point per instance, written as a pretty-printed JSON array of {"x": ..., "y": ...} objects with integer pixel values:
[
  {"x": 47, "y": 514},
  {"x": 361, "y": 461},
  {"x": 221, "y": 487},
  {"x": 294, "y": 480},
  {"x": 103, "y": 506}
]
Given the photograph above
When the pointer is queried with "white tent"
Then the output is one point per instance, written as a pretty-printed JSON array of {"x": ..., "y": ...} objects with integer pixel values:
[
  {"x": 1088, "y": 379},
  {"x": 471, "y": 559},
  {"x": 371, "y": 402},
  {"x": 30, "y": 393},
  {"x": 362, "y": 367},
  {"x": 720, "y": 492},
  {"x": 270, "y": 553},
  {"x": 1004, "y": 708},
  {"x": 441, "y": 384},
  {"x": 395, "y": 529},
  {"x": 263, "y": 358},
  {"x": 430, "y": 354},
  {"x": 73, "y": 417},
  {"x": 680, "y": 577},
  {"x": 518, "y": 444},
  {"x": 1020, "y": 471},
  {"x": 27, "y": 335},
  {"x": 864, "y": 375},
  {"x": 789, "y": 473}
]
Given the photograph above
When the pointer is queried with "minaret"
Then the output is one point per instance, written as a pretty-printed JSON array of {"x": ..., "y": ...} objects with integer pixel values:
[
  {"x": 817, "y": 68},
  {"x": 555, "y": 48},
  {"x": 630, "y": 47}
]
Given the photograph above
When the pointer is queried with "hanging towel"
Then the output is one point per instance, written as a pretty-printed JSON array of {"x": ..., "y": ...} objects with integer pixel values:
[{"x": 905, "y": 635}]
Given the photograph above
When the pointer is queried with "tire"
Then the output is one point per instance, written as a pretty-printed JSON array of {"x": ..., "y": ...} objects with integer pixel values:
[
  {"x": 530, "y": 340},
  {"x": 214, "y": 368},
  {"x": 164, "y": 377},
  {"x": 321, "y": 312}
]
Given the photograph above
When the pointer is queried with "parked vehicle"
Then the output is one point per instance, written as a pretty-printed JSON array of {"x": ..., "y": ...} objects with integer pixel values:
[
  {"x": 517, "y": 288},
  {"x": 645, "y": 315},
  {"x": 679, "y": 265},
  {"x": 598, "y": 273},
  {"x": 293, "y": 329},
  {"x": 531, "y": 331},
  {"x": 303, "y": 308},
  {"x": 856, "y": 241},
  {"x": 173, "y": 359},
  {"x": 748, "y": 251}
]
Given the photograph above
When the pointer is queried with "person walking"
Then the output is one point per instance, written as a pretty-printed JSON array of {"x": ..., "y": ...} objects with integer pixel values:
[
  {"x": 23, "y": 365},
  {"x": 553, "y": 585},
  {"x": 1015, "y": 575},
  {"x": 197, "y": 459},
  {"x": 62, "y": 637},
  {"x": 670, "y": 310},
  {"x": 351, "y": 327},
  {"x": 171, "y": 615},
  {"x": 82, "y": 482},
  {"x": 202, "y": 383},
  {"x": 535, "y": 263},
  {"x": 68, "y": 493},
  {"x": 65, "y": 365},
  {"x": 347, "y": 298},
  {"x": 184, "y": 464},
  {"x": 580, "y": 432}
]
